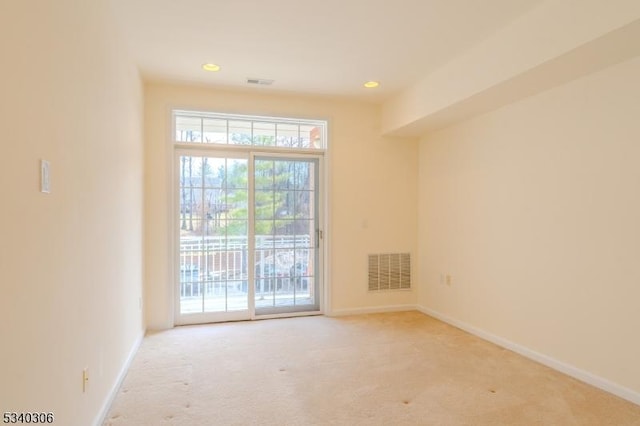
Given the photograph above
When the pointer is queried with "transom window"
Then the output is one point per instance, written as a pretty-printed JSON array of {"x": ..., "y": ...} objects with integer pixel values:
[{"x": 225, "y": 129}]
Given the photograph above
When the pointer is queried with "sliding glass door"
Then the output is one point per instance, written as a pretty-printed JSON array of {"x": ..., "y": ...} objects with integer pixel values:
[
  {"x": 248, "y": 235},
  {"x": 286, "y": 234},
  {"x": 213, "y": 225}
]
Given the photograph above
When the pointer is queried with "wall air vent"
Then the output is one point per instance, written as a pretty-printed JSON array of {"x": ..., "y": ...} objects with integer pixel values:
[
  {"x": 261, "y": 81},
  {"x": 389, "y": 271}
]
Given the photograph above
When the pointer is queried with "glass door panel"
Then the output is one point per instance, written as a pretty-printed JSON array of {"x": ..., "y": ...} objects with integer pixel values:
[
  {"x": 213, "y": 223},
  {"x": 247, "y": 247},
  {"x": 286, "y": 229}
]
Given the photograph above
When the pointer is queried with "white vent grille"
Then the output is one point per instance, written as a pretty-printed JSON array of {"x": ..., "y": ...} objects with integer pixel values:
[
  {"x": 261, "y": 81},
  {"x": 389, "y": 271}
]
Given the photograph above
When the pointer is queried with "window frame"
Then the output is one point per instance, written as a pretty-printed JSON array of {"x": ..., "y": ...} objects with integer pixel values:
[{"x": 252, "y": 120}]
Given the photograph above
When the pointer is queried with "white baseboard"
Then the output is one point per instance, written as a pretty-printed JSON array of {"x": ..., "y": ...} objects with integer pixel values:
[
  {"x": 582, "y": 375},
  {"x": 371, "y": 310},
  {"x": 100, "y": 418}
]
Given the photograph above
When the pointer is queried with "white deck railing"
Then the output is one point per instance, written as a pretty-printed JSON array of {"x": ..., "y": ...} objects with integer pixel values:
[{"x": 218, "y": 265}]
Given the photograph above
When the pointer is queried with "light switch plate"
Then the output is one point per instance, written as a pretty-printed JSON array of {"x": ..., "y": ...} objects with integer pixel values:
[{"x": 45, "y": 177}]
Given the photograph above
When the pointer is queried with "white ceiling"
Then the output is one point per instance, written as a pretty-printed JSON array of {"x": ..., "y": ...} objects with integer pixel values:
[{"x": 326, "y": 47}]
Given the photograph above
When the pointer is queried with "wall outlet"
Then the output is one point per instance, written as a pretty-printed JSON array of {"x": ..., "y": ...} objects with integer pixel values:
[
  {"x": 85, "y": 379},
  {"x": 45, "y": 177},
  {"x": 445, "y": 279}
]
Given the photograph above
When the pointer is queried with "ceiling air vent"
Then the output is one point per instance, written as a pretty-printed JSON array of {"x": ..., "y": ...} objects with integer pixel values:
[{"x": 261, "y": 81}]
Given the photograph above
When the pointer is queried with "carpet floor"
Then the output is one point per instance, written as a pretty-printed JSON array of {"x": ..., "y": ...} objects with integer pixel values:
[{"x": 381, "y": 369}]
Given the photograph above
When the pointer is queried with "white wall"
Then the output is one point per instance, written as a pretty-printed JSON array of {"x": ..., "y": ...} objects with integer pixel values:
[
  {"x": 534, "y": 210},
  {"x": 373, "y": 206},
  {"x": 70, "y": 261}
]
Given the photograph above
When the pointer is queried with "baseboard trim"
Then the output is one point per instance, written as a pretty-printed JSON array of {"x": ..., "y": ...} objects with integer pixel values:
[
  {"x": 371, "y": 310},
  {"x": 582, "y": 375},
  {"x": 102, "y": 415}
]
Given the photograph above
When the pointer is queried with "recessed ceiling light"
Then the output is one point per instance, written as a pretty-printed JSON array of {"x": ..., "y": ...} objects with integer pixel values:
[
  {"x": 371, "y": 84},
  {"x": 211, "y": 67}
]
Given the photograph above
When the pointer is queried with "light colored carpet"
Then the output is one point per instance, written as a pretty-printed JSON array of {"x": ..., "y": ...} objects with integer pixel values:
[{"x": 383, "y": 369}]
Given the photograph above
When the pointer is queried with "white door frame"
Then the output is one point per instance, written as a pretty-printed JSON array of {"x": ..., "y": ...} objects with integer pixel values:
[{"x": 249, "y": 153}]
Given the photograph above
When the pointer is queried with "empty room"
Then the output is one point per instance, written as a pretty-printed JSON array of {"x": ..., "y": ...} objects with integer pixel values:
[{"x": 280, "y": 212}]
